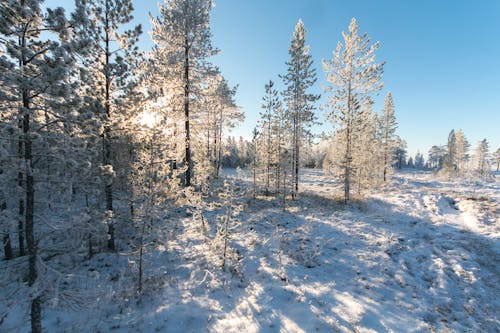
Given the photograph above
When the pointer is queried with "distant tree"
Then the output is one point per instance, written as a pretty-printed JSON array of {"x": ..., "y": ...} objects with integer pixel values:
[
  {"x": 255, "y": 137},
  {"x": 270, "y": 102},
  {"x": 482, "y": 155},
  {"x": 387, "y": 131},
  {"x": 496, "y": 158},
  {"x": 450, "y": 165},
  {"x": 353, "y": 74},
  {"x": 400, "y": 154},
  {"x": 436, "y": 157},
  {"x": 299, "y": 78},
  {"x": 461, "y": 152},
  {"x": 410, "y": 163},
  {"x": 419, "y": 161}
]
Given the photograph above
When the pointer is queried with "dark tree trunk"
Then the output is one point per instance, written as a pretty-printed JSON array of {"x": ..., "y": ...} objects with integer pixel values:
[
  {"x": 107, "y": 133},
  {"x": 7, "y": 246},
  {"x": 36, "y": 307},
  {"x": 189, "y": 160},
  {"x": 219, "y": 149},
  {"x": 20, "y": 183},
  {"x": 30, "y": 232}
]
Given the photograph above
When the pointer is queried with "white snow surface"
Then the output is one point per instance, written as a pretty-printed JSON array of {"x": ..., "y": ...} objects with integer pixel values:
[{"x": 416, "y": 255}]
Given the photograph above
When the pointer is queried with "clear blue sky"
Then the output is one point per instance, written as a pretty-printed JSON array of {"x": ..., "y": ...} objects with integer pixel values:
[{"x": 443, "y": 56}]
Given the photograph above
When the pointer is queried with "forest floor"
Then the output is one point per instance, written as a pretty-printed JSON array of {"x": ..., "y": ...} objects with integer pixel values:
[{"x": 417, "y": 255}]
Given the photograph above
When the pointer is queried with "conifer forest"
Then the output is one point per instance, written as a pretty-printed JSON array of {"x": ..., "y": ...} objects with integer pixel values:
[{"x": 129, "y": 201}]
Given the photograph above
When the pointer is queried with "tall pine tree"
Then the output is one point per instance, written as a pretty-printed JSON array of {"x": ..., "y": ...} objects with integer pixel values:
[
  {"x": 299, "y": 78},
  {"x": 353, "y": 75},
  {"x": 183, "y": 45}
]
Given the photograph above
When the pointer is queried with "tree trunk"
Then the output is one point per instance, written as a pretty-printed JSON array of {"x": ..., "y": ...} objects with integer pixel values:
[
  {"x": 219, "y": 149},
  {"x": 347, "y": 157},
  {"x": 36, "y": 308},
  {"x": 36, "y": 325},
  {"x": 189, "y": 160},
  {"x": 297, "y": 161},
  {"x": 107, "y": 133},
  {"x": 20, "y": 183},
  {"x": 108, "y": 190},
  {"x": 7, "y": 246}
]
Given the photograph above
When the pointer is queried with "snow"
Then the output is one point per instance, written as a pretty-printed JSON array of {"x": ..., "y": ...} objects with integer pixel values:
[{"x": 416, "y": 255}]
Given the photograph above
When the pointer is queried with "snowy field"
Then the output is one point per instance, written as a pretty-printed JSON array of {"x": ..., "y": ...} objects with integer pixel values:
[{"x": 419, "y": 255}]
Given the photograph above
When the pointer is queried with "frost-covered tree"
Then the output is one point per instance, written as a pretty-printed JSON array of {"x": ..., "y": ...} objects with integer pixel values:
[
  {"x": 419, "y": 160},
  {"x": 298, "y": 80},
  {"x": 400, "y": 153},
  {"x": 109, "y": 61},
  {"x": 461, "y": 152},
  {"x": 367, "y": 164},
  {"x": 353, "y": 75},
  {"x": 496, "y": 158},
  {"x": 456, "y": 157},
  {"x": 183, "y": 45},
  {"x": 436, "y": 157},
  {"x": 34, "y": 68},
  {"x": 226, "y": 114},
  {"x": 270, "y": 102},
  {"x": 482, "y": 156},
  {"x": 450, "y": 159},
  {"x": 387, "y": 126}
]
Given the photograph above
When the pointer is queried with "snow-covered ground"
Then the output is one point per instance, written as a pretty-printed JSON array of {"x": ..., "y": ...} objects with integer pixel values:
[{"x": 418, "y": 255}]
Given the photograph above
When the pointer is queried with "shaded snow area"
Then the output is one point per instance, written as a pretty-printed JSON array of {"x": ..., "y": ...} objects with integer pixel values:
[{"x": 418, "y": 255}]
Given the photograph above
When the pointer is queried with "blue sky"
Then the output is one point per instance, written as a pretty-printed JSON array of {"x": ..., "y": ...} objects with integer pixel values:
[{"x": 443, "y": 57}]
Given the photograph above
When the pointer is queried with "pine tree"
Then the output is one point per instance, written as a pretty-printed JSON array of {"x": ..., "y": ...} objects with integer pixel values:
[
  {"x": 34, "y": 72},
  {"x": 419, "y": 160},
  {"x": 110, "y": 58},
  {"x": 496, "y": 158},
  {"x": 183, "y": 45},
  {"x": 436, "y": 157},
  {"x": 270, "y": 103},
  {"x": 400, "y": 153},
  {"x": 482, "y": 156},
  {"x": 387, "y": 127},
  {"x": 300, "y": 77},
  {"x": 461, "y": 152},
  {"x": 450, "y": 166},
  {"x": 353, "y": 75}
]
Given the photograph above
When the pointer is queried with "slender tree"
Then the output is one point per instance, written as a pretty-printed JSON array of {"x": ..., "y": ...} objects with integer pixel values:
[
  {"x": 183, "y": 45},
  {"x": 353, "y": 75},
  {"x": 387, "y": 127},
  {"x": 110, "y": 57},
  {"x": 496, "y": 158},
  {"x": 461, "y": 152},
  {"x": 270, "y": 102},
  {"x": 35, "y": 71},
  {"x": 299, "y": 78},
  {"x": 482, "y": 156}
]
